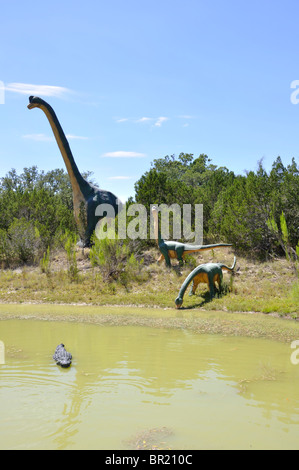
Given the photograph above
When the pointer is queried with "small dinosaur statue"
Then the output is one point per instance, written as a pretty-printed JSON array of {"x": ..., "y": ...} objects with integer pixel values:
[
  {"x": 208, "y": 273},
  {"x": 86, "y": 197},
  {"x": 62, "y": 357},
  {"x": 173, "y": 249}
]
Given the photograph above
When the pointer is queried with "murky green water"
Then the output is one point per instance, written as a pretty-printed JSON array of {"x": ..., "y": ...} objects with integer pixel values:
[{"x": 137, "y": 387}]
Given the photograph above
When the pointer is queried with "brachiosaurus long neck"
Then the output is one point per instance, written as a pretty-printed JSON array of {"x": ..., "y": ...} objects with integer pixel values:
[
  {"x": 188, "y": 279},
  {"x": 79, "y": 185}
]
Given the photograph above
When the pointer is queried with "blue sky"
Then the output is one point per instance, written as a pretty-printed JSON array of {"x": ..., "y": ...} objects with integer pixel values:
[{"x": 137, "y": 80}]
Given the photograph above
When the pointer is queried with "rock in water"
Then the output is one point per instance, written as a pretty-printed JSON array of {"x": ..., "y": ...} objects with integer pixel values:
[{"x": 62, "y": 357}]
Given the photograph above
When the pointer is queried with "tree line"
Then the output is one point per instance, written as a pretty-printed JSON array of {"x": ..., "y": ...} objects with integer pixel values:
[
  {"x": 257, "y": 212},
  {"x": 36, "y": 209}
]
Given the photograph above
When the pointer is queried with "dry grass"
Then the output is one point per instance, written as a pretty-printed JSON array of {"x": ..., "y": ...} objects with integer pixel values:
[{"x": 270, "y": 287}]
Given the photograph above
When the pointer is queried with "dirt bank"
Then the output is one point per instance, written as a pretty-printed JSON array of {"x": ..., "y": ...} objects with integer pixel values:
[{"x": 209, "y": 322}]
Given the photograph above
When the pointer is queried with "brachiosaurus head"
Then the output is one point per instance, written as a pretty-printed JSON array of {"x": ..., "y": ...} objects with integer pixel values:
[
  {"x": 178, "y": 302},
  {"x": 156, "y": 223},
  {"x": 35, "y": 102}
]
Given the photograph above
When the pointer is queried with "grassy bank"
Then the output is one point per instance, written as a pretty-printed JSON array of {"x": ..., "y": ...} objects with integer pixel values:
[
  {"x": 254, "y": 325},
  {"x": 270, "y": 287}
]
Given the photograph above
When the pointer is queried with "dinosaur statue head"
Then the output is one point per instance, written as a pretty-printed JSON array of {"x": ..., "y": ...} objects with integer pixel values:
[
  {"x": 35, "y": 102},
  {"x": 156, "y": 223},
  {"x": 155, "y": 211},
  {"x": 178, "y": 302}
]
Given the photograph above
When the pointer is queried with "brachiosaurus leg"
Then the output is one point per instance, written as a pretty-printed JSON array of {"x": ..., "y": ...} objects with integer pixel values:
[
  {"x": 167, "y": 261},
  {"x": 201, "y": 277},
  {"x": 166, "y": 257},
  {"x": 211, "y": 286},
  {"x": 160, "y": 259},
  {"x": 218, "y": 278},
  {"x": 180, "y": 254},
  {"x": 220, "y": 281},
  {"x": 193, "y": 287}
]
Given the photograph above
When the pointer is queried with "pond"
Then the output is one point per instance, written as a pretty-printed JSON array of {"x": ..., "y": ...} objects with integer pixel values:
[{"x": 132, "y": 387}]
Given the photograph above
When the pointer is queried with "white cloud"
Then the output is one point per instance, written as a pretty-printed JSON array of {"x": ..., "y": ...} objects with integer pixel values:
[
  {"x": 122, "y": 120},
  {"x": 144, "y": 119},
  {"x": 160, "y": 121},
  {"x": 76, "y": 137},
  {"x": 47, "y": 138},
  {"x": 37, "y": 90},
  {"x": 157, "y": 121},
  {"x": 38, "y": 137},
  {"x": 123, "y": 154},
  {"x": 186, "y": 116},
  {"x": 120, "y": 178}
]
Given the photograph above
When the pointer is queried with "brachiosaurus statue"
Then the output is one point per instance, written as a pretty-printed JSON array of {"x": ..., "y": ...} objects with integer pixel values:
[
  {"x": 173, "y": 249},
  {"x": 86, "y": 197},
  {"x": 208, "y": 273}
]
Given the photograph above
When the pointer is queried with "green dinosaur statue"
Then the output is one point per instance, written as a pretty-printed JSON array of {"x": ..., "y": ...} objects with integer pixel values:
[
  {"x": 208, "y": 273},
  {"x": 178, "y": 250},
  {"x": 86, "y": 197}
]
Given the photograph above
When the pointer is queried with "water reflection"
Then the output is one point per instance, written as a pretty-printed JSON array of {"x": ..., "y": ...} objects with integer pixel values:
[{"x": 127, "y": 379}]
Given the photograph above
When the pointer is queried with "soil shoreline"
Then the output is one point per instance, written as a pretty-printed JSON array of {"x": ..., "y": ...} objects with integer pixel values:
[{"x": 256, "y": 325}]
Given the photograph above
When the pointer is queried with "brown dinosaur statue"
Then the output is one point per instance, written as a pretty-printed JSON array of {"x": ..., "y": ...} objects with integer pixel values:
[{"x": 177, "y": 250}]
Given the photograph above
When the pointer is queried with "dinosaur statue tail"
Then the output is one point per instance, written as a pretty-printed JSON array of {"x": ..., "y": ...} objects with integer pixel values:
[
  {"x": 223, "y": 266},
  {"x": 194, "y": 248}
]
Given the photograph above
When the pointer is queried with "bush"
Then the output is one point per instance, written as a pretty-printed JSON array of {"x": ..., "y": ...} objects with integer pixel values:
[
  {"x": 45, "y": 262},
  {"x": 5, "y": 249},
  {"x": 114, "y": 259},
  {"x": 69, "y": 240},
  {"x": 24, "y": 242}
]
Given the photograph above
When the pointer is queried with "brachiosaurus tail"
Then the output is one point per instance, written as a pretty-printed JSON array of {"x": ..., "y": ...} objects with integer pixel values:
[
  {"x": 193, "y": 248},
  {"x": 223, "y": 266}
]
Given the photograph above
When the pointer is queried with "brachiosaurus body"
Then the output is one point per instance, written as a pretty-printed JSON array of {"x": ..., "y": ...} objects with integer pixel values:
[
  {"x": 177, "y": 250},
  {"x": 86, "y": 197},
  {"x": 208, "y": 273}
]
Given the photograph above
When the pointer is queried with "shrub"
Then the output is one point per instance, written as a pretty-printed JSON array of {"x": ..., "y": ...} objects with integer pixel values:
[
  {"x": 45, "y": 262},
  {"x": 25, "y": 241},
  {"x": 5, "y": 248},
  {"x": 69, "y": 240},
  {"x": 114, "y": 259}
]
